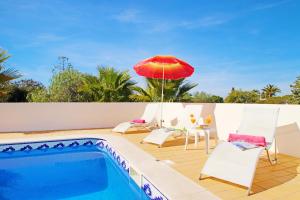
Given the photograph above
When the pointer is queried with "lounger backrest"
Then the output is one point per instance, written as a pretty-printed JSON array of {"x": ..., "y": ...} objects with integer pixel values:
[
  {"x": 150, "y": 112},
  {"x": 195, "y": 110},
  {"x": 259, "y": 121},
  {"x": 171, "y": 114}
]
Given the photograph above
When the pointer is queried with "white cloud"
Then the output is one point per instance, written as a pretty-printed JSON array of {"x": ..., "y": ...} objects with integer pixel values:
[
  {"x": 206, "y": 21},
  {"x": 254, "y": 31},
  {"x": 40, "y": 39},
  {"x": 152, "y": 24},
  {"x": 49, "y": 37},
  {"x": 128, "y": 15},
  {"x": 270, "y": 5}
]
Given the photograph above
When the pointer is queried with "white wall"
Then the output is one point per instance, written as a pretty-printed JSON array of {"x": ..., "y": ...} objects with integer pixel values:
[{"x": 16, "y": 117}]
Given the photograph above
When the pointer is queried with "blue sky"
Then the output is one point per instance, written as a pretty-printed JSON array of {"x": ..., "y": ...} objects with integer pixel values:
[{"x": 244, "y": 44}]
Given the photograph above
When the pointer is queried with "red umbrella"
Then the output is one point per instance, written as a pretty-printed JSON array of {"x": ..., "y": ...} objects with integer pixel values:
[{"x": 164, "y": 67}]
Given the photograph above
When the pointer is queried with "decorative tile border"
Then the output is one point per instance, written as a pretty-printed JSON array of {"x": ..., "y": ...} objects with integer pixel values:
[
  {"x": 45, "y": 145},
  {"x": 151, "y": 191},
  {"x": 116, "y": 157}
]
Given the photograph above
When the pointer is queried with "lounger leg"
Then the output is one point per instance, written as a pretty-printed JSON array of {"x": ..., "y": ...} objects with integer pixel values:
[
  {"x": 249, "y": 191},
  {"x": 200, "y": 177},
  {"x": 186, "y": 140},
  {"x": 275, "y": 158},
  {"x": 274, "y": 161},
  {"x": 207, "y": 137},
  {"x": 196, "y": 139},
  {"x": 269, "y": 157}
]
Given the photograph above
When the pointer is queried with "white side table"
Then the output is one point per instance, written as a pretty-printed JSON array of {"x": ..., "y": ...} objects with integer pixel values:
[{"x": 205, "y": 131}]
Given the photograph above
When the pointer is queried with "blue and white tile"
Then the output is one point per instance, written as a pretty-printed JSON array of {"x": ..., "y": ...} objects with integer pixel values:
[
  {"x": 151, "y": 191},
  {"x": 44, "y": 145},
  {"x": 115, "y": 155}
]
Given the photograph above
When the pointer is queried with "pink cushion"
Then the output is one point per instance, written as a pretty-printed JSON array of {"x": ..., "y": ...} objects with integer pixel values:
[
  {"x": 139, "y": 121},
  {"x": 256, "y": 140}
]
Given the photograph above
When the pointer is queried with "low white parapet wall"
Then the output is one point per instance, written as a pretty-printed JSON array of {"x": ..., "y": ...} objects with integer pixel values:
[{"x": 20, "y": 117}]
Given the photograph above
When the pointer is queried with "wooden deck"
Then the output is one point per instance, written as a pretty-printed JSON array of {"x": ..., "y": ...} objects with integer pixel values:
[{"x": 281, "y": 181}]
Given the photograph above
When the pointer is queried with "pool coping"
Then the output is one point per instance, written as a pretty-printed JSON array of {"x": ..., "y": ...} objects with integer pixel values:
[{"x": 154, "y": 174}]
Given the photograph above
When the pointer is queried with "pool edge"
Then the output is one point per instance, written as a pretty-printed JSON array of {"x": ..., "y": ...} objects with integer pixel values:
[{"x": 154, "y": 175}]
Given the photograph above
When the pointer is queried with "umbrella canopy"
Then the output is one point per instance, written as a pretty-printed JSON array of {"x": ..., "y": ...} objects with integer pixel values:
[{"x": 164, "y": 67}]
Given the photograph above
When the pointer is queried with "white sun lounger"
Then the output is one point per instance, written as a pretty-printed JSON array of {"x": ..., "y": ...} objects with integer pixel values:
[
  {"x": 232, "y": 164},
  {"x": 149, "y": 116},
  {"x": 171, "y": 121}
]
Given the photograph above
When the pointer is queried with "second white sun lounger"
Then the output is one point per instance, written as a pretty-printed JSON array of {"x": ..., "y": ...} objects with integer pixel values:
[
  {"x": 149, "y": 116},
  {"x": 232, "y": 164},
  {"x": 171, "y": 120}
]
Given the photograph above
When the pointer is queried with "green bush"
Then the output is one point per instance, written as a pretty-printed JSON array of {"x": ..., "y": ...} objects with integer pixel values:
[
  {"x": 242, "y": 96},
  {"x": 203, "y": 97},
  {"x": 287, "y": 99},
  {"x": 295, "y": 89}
]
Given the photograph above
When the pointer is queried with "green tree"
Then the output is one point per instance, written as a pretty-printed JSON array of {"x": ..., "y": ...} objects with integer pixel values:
[
  {"x": 241, "y": 96},
  {"x": 203, "y": 97},
  {"x": 174, "y": 91},
  {"x": 39, "y": 95},
  {"x": 18, "y": 91},
  {"x": 295, "y": 89},
  {"x": 109, "y": 86},
  {"x": 6, "y": 75},
  {"x": 217, "y": 99},
  {"x": 286, "y": 99},
  {"x": 65, "y": 86},
  {"x": 270, "y": 91}
]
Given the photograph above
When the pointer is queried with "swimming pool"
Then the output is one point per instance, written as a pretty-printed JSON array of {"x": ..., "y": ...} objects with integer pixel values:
[{"x": 68, "y": 169}]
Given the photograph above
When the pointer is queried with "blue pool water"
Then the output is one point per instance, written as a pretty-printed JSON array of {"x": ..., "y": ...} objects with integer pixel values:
[{"x": 68, "y": 173}]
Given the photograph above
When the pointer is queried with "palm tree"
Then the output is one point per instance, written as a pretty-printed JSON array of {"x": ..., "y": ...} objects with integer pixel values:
[
  {"x": 174, "y": 91},
  {"x": 110, "y": 86},
  {"x": 270, "y": 90},
  {"x": 6, "y": 75}
]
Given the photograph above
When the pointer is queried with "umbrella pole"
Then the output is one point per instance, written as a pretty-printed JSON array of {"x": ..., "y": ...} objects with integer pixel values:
[{"x": 162, "y": 97}]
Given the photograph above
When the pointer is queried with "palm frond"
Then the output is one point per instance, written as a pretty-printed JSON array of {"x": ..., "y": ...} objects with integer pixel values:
[
  {"x": 9, "y": 74},
  {"x": 183, "y": 89},
  {"x": 6, "y": 74},
  {"x": 3, "y": 56}
]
